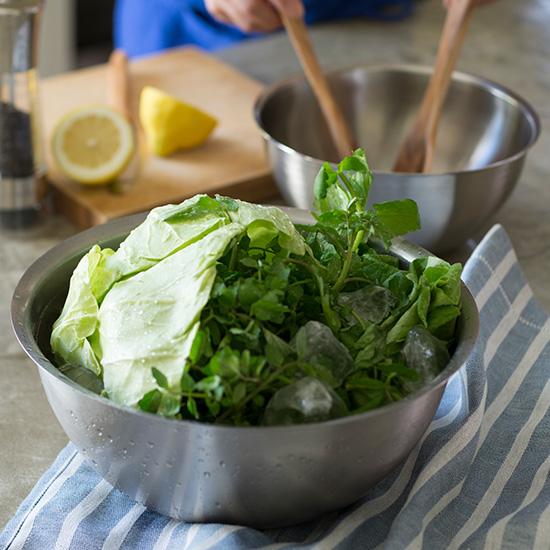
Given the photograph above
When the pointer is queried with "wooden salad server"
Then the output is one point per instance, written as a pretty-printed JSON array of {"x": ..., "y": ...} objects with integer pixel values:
[
  {"x": 339, "y": 130},
  {"x": 417, "y": 151}
]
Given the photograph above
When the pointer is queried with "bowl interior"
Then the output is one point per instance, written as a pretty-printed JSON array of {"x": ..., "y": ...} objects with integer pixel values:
[{"x": 481, "y": 123}]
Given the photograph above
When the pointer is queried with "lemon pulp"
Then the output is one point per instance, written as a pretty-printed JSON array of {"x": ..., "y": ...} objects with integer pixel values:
[
  {"x": 92, "y": 144},
  {"x": 170, "y": 124}
]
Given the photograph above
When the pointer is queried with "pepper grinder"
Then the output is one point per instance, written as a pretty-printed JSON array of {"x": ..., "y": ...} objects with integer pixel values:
[{"x": 23, "y": 189}]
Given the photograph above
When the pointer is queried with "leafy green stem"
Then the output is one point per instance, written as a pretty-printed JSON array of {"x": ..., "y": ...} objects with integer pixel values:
[
  {"x": 256, "y": 391},
  {"x": 301, "y": 263},
  {"x": 234, "y": 250},
  {"x": 332, "y": 318},
  {"x": 347, "y": 183},
  {"x": 338, "y": 285}
]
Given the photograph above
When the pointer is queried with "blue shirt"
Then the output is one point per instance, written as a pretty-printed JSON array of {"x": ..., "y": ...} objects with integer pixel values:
[{"x": 147, "y": 26}]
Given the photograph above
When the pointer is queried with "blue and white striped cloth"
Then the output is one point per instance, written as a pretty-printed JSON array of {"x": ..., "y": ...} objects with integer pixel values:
[{"x": 478, "y": 479}]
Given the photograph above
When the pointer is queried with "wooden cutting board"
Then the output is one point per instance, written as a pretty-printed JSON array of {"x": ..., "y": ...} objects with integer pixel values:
[{"x": 231, "y": 162}]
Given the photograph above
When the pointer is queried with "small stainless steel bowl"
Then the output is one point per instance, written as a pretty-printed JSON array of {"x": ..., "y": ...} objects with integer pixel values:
[
  {"x": 257, "y": 476},
  {"x": 484, "y": 134}
]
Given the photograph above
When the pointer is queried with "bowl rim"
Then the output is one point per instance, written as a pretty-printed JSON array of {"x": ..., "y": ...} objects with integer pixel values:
[
  {"x": 491, "y": 86},
  {"x": 77, "y": 245}
]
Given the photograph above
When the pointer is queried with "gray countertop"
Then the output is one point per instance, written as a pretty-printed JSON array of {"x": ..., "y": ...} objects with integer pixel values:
[{"x": 508, "y": 42}]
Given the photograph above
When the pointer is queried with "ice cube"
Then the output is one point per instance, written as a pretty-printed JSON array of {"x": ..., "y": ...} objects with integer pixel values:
[
  {"x": 307, "y": 400},
  {"x": 424, "y": 353},
  {"x": 371, "y": 303},
  {"x": 316, "y": 344}
]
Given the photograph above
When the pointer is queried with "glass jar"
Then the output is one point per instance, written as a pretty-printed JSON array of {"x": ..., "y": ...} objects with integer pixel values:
[{"x": 23, "y": 188}]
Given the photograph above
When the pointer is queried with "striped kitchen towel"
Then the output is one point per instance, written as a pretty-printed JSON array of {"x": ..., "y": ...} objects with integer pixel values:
[{"x": 479, "y": 478}]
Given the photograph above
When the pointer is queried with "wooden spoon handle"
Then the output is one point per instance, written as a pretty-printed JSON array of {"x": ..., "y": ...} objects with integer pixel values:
[
  {"x": 340, "y": 132},
  {"x": 416, "y": 154},
  {"x": 118, "y": 83}
]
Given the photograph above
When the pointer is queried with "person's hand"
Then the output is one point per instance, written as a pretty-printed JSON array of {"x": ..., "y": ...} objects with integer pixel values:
[
  {"x": 446, "y": 3},
  {"x": 254, "y": 15}
]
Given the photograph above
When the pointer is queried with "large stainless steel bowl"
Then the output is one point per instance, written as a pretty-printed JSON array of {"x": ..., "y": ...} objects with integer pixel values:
[
  {"x": 484, "y": 134},
  {"x": 258, "y": 476}
]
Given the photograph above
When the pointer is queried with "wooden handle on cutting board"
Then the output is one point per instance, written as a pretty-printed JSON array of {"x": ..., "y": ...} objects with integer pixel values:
[{"x": 118, "y": 83}]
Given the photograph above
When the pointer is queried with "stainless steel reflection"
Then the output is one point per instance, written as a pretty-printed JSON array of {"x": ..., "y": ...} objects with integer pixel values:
[
  {"x": 258, "y": 476},
  {"x": 484, "y": 135}
]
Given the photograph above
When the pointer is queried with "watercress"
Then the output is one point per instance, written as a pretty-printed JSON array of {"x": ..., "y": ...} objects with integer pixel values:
[{"x": 222, "y": 311}]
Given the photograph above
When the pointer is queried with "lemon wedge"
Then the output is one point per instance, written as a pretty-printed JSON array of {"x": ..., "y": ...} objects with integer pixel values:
[
  {"x": 169, "y": 124},
  {"x": 92, "y": 144}
]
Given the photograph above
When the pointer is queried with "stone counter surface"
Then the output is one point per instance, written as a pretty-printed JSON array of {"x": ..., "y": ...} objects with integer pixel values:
[{"x": 508, "y": 42}]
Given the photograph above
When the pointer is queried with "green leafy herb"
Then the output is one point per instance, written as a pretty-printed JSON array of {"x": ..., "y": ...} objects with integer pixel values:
[{"x": 222, "y": 311}]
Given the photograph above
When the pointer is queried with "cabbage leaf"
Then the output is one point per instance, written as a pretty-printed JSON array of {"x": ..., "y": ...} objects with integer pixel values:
[{"x": 138, "y": 308}]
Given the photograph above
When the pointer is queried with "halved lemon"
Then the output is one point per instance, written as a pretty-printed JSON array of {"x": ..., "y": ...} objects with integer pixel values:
[
  {"x": 92, "y": 144},
  {"x": 170, "y": 124}
]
